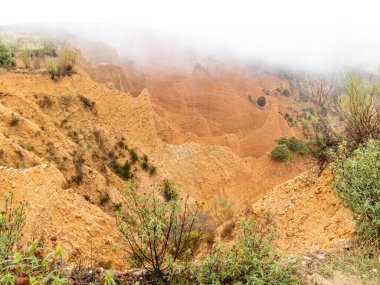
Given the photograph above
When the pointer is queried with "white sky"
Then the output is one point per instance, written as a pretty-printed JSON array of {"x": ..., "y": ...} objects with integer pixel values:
[{"x": 317, "y": 33}]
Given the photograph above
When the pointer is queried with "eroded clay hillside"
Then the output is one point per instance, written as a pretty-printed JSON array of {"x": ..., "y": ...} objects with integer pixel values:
[{"x": 64, "y": 142}]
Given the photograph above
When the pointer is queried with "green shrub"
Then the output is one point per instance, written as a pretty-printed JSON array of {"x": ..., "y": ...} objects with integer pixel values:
[
  {"x": 357, "y": 180},
  {"x": 285, "y": 92},
  {"x": 250, "y": 99},
  {"x": 251, "y": 260},
  {"x": 6, "y": 58},
  {"x": 293, "y": 144},
  {"x": 281, "y": 153},
  {"x": 64, "y": 64},
  {"x": 261, "y": 101},
  {"x": 158, "y": 233},
  {"x": 123, "y": 171},
  {"x": 171, "y": 190},
  {"x": 12, "y": 220},
  {"x": 133, "y": 155}
]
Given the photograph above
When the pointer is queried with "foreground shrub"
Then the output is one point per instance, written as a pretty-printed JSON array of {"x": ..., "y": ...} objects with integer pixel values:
[
  {"x": 6, "y": 58},
  {"x": 12, "y": 220},
  {"x": 158, "y": 233},
  {"x": 251, "y": 260},
  {"x": 357, "y": 179},
  {"x": 281, "y": 153}
]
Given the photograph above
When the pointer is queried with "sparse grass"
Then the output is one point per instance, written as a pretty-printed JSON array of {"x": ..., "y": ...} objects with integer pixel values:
[
  {"x": 104, "y": 199},
  {"x": 78, "y": 164},
  {"x": 360, "y": 259},
  {"x": 133, "y": 155},
  {"x": 87, "y": 103},
  {"x": 152, "y": 170},
  {"x": 228, "y": 229},
  {"x": 45, "y": 102}
]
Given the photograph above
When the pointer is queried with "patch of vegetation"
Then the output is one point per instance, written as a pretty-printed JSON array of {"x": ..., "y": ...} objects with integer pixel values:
[
  {"x": 123, "y": 171},
  {"x": 286, "y": 92},
  {"x": 228, "y": 229},
  {"x": 171, "y": 190},
  {"x": 78, "y": 164},
  {"x": 266, "y": 91},
  {"x": 251, "y": 260},
  {"x": 308, "y": 113},
  {"x": 12, "y": 220},
  {"x": 133, "y": 155},
  {"x": 357, "y": 180},
  {"x": 359, "y": 258},
  {"x": 152, "y": 170},
  {"x": 45, "y": 102},
  {"x": 6, "y": 58},
  {"x": 280, "y": 152},
  {"x": 261, "y": 101},
  {"x": 87, "y": 103},
  {"x": 104, "y": 199},
  {"x": 293, "y": 144},
  {"x": 64, "y": 64},
  {"x": 356, "y": 112},
  {"x": 158, "y": 233},
  {"x": 250, "y": 99},
  {"x": 291, "y": 122}
]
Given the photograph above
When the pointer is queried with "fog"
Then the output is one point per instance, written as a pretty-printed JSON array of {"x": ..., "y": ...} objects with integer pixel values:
[{"x": 306, "y": 35}]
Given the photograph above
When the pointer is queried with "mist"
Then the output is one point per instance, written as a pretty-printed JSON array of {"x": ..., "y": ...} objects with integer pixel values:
[{"x": 315, "y": 36}]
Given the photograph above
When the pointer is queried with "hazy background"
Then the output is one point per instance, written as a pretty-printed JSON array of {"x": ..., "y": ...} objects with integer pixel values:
[{"x": 316, "y": 35}]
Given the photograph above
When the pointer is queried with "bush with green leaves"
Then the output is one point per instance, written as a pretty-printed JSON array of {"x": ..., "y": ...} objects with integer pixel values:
[
  {"x": 6, "y": 58},
  {"x": 158, "y": 233},
  {"x": 64, "y": 64},
  {"x": 293, "y": 144},
  {"x": 285, "y": 92},
  {"x": 251, "y": 260},
  {"x": 280, "y": 152},
  {"x": 12, "y": 220},
  {"x": 171, "y": 190},
  {"x": 357, "y": 180},
  {"x": 261, "y": 101}
]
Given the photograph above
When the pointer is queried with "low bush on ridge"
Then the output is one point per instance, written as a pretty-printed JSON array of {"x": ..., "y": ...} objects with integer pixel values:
[{"x": 285, "y": 145}]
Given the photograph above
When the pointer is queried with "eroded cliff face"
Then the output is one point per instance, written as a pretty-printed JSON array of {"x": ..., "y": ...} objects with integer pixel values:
[
  {"x": 305, "y": 214},
  {"x": 211, "y": 107},
  {"x": 58, "y": 141}
]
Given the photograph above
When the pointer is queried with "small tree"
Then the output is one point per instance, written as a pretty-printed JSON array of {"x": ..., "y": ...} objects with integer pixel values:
[
  {"x": 261, "y": 101},
  {"x": 6, "y": 58},
  {"x": 357, "y": 179},
  {"x": 158, "y": 233}
]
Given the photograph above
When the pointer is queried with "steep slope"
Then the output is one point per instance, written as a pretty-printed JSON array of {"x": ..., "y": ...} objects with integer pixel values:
[
  {"x": 62, "y": 139},
  {"x": 305, "y": 213},
  {"x": 211, "y": 106}
]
